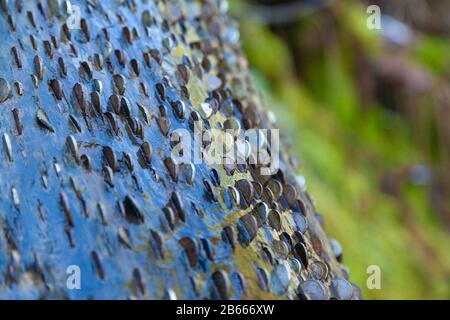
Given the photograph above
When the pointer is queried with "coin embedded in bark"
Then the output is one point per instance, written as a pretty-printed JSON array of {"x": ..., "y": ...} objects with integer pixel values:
[
  {"x": 300, "y": 222},
  {"x": 318, "y": 270},
  {"x": 290, "y": 193},
  {"x": 232, "y": 124},
  {"x": 133, "y": 213},
  {"x": 43, "y": 120},
  {"x": 188, "y": 170},
  {"x": 4, "y": 90},
  {"x": 245, "y": 189},
  {"x": 179, "y": 109},
  {"x": 55, "y": 85},
  {"x": 312, "y": 290},
  {"x": 39, "y": 67},
  {"x": 96, "y": 102},
  {"x": 72, "y": 145},
  {"x": 275, "y": 220},
  {"x": 146, "y": 149},
  {"x": 341, "y": 289},
  {"x": 164, "y": 125},
  {"x": 98, "y": 265},
  {"x": 268, "y": 255},
  {"x": 229, "y": 236},
  {"x": 295, "y": 265},
  {"x": 263, "y": 279},
  {"x": 210, "y": 190},
  {"x": 286, "y": 238},
  {"x": 191, "y": 250},
  {"x": 19, "y": 88},
  {"x": 7, "y": 146},
  {"x": 222, "y": 284},
  {"x": 280, "y": 278},
  {"x": 276, "y": 187},
  {"x": 80, "y": 96},
  {"x": 247, "y": 227},
  {"x": 97, "y": 85},
  {"x": 110, "y": 158},
  {"x": 205, "y": 110},
  {"x": 281, "y": 248},
  {"x": 172, "y": 168},
  {"x": 262, "y": 211},
  {"x": 124, "y": 237},
  {"x": 120, "y": 83},
  {"x": 301, "y": 254},
  {"x": 169, "y": 294}
]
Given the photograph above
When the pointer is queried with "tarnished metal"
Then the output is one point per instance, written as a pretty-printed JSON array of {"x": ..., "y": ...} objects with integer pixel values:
[{"x": 87, "y": 176}]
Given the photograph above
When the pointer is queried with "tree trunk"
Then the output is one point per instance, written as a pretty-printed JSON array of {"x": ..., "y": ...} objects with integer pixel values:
[{"x": 93, "y": 203}]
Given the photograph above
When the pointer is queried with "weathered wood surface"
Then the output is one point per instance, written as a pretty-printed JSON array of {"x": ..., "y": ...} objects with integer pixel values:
[{"x": 86, "y": 116}]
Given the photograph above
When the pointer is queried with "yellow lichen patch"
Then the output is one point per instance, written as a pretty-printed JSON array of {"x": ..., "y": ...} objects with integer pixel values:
[{"x": 245, "y": 259}]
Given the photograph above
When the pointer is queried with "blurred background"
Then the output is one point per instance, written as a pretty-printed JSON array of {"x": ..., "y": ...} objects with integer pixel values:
[{"x": 368, "y": 116}]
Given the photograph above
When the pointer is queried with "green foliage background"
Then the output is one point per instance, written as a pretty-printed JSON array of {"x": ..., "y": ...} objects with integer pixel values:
[{"x": 345, "y": 148}]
